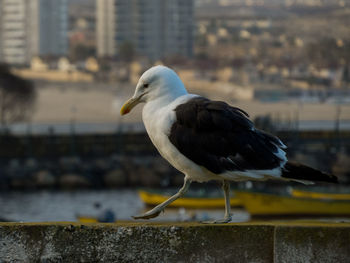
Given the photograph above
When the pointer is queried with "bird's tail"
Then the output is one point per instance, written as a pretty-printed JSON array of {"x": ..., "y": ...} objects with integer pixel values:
[{"x": 303, "y": 173}]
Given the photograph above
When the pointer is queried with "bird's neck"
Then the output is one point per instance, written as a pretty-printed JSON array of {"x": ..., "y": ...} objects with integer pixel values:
[
  {"x": 161, "y": 103},
  {"x": 167, "y": 96},
  {"x": 170, "y": 97}
]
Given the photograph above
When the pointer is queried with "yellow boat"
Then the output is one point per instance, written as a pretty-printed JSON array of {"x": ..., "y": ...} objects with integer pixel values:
[
  {"x": 153, "y": 198},
  {"x": 87, "y": 219},
  {"x": 320, "y": 195},
  {"x": 274, "y": 204}
]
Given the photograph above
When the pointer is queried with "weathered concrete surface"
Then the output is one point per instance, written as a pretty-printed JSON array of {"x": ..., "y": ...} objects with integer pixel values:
[
  {"x": 310, "y": 243},
  {"x": 179, "y": 242}
]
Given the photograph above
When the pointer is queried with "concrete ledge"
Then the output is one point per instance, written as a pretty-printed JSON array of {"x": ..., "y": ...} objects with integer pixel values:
[{"x": 179, "y": 242}]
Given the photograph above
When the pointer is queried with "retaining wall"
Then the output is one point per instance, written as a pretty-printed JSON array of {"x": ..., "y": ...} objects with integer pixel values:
[{"x": 175, "y": 242}]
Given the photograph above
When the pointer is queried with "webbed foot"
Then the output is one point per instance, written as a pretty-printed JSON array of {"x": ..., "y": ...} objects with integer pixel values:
[
  {"x": 225, "y": 220},
  {"x": 148, "y": 215}
]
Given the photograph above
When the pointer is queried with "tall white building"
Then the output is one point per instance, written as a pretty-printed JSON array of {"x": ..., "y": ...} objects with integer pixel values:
[
  {"x": 105, "y": 27},
  {"x": 32, "y": 27},
  {"x": 155, "y": 28}
]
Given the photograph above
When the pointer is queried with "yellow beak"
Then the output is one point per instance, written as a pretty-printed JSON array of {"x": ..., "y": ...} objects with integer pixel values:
[{"x": 128, "y": 105}]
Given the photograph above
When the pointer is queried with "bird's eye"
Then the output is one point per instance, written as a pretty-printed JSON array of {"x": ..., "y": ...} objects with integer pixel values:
[{"x": 145, "y": 85}]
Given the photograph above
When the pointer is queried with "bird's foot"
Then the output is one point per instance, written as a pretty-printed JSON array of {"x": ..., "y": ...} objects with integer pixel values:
[
  {"x": 225, "y": 220},
  {"x": 148, "y": 215}
]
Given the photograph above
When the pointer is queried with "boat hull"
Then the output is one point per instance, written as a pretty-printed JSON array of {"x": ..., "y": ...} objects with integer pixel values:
[
  {"x": 320, "y": 195},
  {"x": 270, "y": 204}
]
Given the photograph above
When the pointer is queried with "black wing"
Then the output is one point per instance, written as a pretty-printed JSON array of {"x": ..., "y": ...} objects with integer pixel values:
[{"x": 222, "y": 138}]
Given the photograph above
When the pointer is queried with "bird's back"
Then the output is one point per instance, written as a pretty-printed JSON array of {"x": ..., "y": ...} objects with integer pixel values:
[{"x": 222, "y": 138}]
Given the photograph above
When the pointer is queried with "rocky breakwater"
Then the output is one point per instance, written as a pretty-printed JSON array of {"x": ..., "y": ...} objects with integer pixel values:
[{"x": 74, "y": 172}]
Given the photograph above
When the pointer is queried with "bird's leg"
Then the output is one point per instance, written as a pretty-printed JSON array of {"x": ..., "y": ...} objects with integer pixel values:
[
  {"x": 159, "y": 208},
  {"x": 228, "y": 217},
  {"x": 226, "y": 188}
]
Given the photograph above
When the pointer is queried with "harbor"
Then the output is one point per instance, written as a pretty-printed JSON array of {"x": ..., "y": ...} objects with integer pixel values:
[
  {"x": 175, "y": 131},
  {"x": 248, "y": 206}
]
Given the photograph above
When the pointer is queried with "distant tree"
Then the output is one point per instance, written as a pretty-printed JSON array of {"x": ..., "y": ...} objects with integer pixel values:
[
  {"x": 201, "y": 40},
  {"x": 81, "y": 52},
  {"x": 126, "y": 52},
  {"x": 265, "y": 122},
  {"x": 17, "y": 98},
  {"x": 346, "y": 74},
  {"x": 327, "y": 53}
]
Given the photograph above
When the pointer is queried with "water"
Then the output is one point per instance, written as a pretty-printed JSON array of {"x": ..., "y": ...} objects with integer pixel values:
[
  {"x": 65, "y": 206},
  {"x": 46, "y": 206}
]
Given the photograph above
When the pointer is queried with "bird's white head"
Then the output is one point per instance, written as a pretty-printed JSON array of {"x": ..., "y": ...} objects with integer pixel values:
[{"x": 158, "y": 82}]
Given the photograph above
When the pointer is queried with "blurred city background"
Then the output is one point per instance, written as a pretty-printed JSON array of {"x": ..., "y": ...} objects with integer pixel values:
[{"x": 67, "y": 66}]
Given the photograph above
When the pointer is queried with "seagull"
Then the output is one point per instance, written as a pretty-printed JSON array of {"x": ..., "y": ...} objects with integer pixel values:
[{"x": 209, "y": 140}]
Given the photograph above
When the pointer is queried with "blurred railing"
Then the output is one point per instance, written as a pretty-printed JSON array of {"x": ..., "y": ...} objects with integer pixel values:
[
  {"x": 24, "y": 146},
  {"x": 73, "y": 144}
]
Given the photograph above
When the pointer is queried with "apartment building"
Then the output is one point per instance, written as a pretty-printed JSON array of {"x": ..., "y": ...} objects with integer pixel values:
[
  {"x": 154, "y": 28},
  {"x": 31, "y": 28}
]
